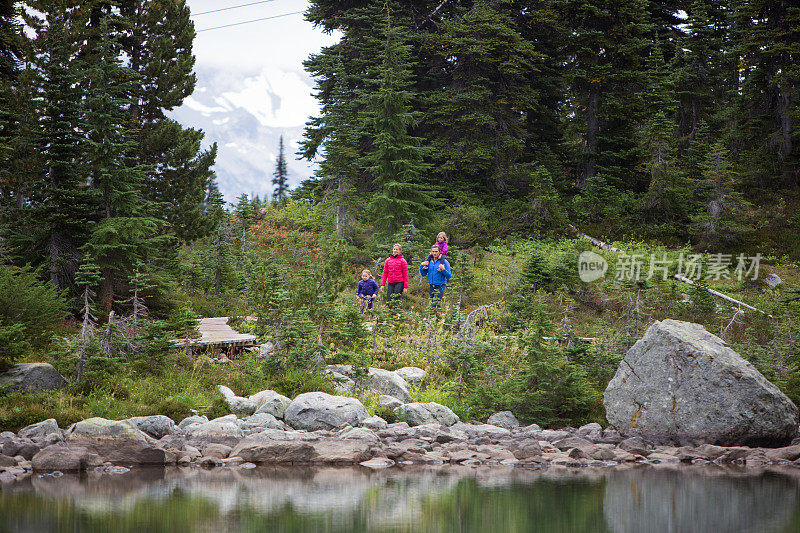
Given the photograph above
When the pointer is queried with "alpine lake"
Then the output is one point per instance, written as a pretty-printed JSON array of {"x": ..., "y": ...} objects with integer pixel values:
[{"x": 418, "y": 498}]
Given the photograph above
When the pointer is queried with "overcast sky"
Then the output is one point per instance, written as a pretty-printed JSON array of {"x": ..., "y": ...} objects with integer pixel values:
[
  {"x": 252, "y": 88},
  {"x": 281, "y": 43}
]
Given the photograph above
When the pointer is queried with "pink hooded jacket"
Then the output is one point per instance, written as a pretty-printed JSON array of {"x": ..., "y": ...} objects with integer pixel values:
[{"x": 395, "y": 270}]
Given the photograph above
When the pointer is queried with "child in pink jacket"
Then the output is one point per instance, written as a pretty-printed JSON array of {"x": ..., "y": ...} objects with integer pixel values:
[{"x": 395, "y": 274}]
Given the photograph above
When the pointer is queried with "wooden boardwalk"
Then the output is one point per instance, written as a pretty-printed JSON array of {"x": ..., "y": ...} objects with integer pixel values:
[{"x": 216, "y": 332}]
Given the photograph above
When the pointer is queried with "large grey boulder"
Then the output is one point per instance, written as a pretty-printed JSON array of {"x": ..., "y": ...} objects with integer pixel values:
[
  {"x": 313, "y": 411},
  {"x": 504, "y": 419},
  {"x": 40, "y": 430},
  {"x": 681, "y": 383},
  {"x": 270, "y": 402},
  {"x": 387, "y": 382},
  {"x": 32, "y": 377},
  {"x": 411, "y": 374},
  {"x": 156, "y": 426},
  {"x": 222, "y": 430},
  {"x": 239, "y": 406},
  {"x": 417, "y": 414},
  {"x": 101, "y": 428},
  {"x": 376, "y": 380}
]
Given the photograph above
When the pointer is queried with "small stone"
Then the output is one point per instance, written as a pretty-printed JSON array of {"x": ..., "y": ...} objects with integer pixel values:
[
  {"x": 241, "y": 406},
  {"x": 265, "y": 350},
  {"x": 657, "y": 457},
  {"x": 374, "y": 422},
  {"x": 157, "y": 426},
  {"x": 388, "y": 402},
  {"x": 220, "y": 451},
  {"x": 194, "y": 419},
  {"x": 411, "y": 374},
  {"x": 226, "y": 392},
  {"x": 377, "y": 463},
  {"x": 634, "y": 445},
  {"x": 210, "y": 462}
]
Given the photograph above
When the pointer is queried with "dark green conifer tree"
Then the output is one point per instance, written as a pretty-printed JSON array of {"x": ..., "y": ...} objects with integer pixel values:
[
  {"x": 668, "y": 198},
  {"x": 126, "y": 233},
  {"x": 397, "y": 157},
  {"x": 477, "y": 115},
  {"x": 279, "y": 178},
  {"x": 768, "y": 35},
  {"x": 720, "y": 219},
  {"x": 158, "y": 43},
  {"x": 606, "y": 78},
  {"x": 61, "y": 204},
  {"x": 10, "y": 40}
]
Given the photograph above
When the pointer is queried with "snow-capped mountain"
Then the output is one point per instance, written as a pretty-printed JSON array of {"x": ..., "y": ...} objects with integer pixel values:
[{"x": 245, "y": 114}]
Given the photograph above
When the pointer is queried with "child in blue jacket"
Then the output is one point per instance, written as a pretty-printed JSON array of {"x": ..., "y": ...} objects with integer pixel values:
[{"x": 367, "y": 290}]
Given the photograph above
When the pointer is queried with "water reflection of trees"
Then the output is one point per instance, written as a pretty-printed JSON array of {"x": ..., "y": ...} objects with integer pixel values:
[{"x": 680, "y": 498}]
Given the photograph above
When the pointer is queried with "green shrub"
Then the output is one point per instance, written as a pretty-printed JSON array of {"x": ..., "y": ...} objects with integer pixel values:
[
  {"x": 174, "y": 407},
  {"x": 219, "y": 407},
  {"x": 29, "y": 310},
  {"x": 296, "y": 381},
  {"x": 18, "y": 410},
  {"x": 703, "y": 303}
]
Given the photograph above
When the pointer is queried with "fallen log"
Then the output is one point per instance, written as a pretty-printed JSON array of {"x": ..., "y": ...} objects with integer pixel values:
[
  {"x": 720, "y": 295},
  {"x": 581, "y": 339},
  {"x": 597, "y": 242}
]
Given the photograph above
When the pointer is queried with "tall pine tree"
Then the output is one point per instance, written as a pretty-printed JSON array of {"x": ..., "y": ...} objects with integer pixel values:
[
  {"x": 61, "y": 204},
  {"x": 279, "y": 178},
  {"x": 126, "y": 233},
  {"x": 158, "y": 43},
  {"x": 396, "y": 160}
]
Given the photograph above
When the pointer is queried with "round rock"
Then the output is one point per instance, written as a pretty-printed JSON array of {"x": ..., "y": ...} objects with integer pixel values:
[{"x": 314, "y": 411}]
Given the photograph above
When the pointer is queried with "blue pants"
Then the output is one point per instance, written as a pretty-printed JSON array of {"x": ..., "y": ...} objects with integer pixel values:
[{"x": 437, "y": 293}]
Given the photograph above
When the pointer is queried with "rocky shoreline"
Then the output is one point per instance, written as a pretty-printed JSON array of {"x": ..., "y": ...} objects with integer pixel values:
[
  {"x": 679, "y": 391},
  {"x": 116, "y": 446}
]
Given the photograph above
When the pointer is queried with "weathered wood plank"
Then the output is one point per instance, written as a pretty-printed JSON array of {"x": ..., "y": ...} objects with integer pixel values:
[{"x": 215, "y": 331}]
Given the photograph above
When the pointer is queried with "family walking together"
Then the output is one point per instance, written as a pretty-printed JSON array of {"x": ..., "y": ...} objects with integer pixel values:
[{"x": 394, "y": 280}]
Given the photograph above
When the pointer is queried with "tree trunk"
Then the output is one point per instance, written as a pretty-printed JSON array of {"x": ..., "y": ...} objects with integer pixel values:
[
  {"x": 107, "y": 291},
  {"x": 586, "y": 168},
  {"x": 341, "y": 214},
  {"x": 54, "y": 254},
  {"x": 785, "y": 123}
]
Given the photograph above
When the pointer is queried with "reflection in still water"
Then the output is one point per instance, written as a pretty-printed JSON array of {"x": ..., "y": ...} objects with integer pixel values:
[
  {"x": 679, "y": 498},
  {"x": 700, "y": 499}
]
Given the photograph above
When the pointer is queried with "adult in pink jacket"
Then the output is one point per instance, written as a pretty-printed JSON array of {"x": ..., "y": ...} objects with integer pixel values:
[{"x": 395, "y": 274}]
